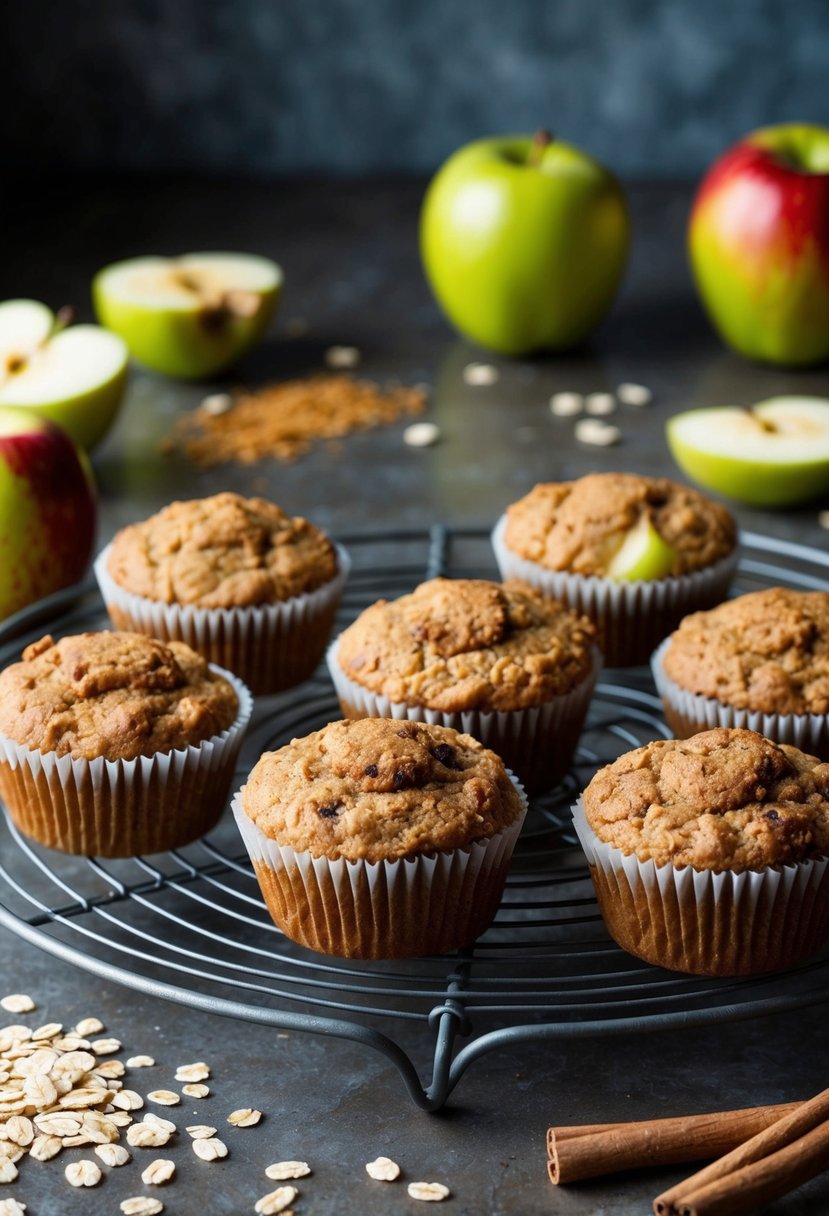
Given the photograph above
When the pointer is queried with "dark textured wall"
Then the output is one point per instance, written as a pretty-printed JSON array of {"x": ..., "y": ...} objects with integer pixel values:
[{"x": 654, "y": 87}]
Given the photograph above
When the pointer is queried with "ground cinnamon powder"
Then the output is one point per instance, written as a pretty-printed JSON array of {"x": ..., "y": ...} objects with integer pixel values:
[{"x": 281, "y": 421}]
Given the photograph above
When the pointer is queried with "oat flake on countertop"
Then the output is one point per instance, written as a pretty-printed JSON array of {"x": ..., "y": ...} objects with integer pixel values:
[
  {"x": 211, "y": 1149},
  {"x": 17, "y": 1002},
  {"x": 599, "y": 405},
  {"x": 566, "y": 404},
  {"x": 158, "y": 1172},
  {"x": 597, "y": 433},
  {"x": 421, "y": 435},
  {"x": 342, "y": 358},
  {"x": 383, "y": 1169},
  {"x": 112, "y": 1154},
  {"x": 276, "y": 1201},
  {"x": 141, "y": 1205},
  {"x": 481, "y": 374},
  {"x": 634, "y": 394},
  {"x": 193, "y": 1072},
  {"x": 246, "y": 1117},
  {"x": 429, "y": 1192},
  {"x": 83, "y": 1173},
  {"x": 195, "y": 1091},
  {"x": 280, "y": 1171}
]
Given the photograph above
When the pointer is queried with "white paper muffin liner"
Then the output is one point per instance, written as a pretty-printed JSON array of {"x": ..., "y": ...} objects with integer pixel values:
[
  {"x": 633, "y": 617},
  {"x": 412, "y": 906},
  {"x": 537, "y": 743},
  {"x": 708, "y": 923},
  {"x": 688, "y": 712},
  {"x": 117, "y": 808},
  {"x": 270, "y": 646}
]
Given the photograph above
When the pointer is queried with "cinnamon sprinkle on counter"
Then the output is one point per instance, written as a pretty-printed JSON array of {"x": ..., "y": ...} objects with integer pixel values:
[{"x": 283, "y": 420}]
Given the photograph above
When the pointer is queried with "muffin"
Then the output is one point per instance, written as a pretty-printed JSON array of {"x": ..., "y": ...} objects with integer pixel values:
[
  {"x": 115, "y": 743},
  {"x": 244, "y": 584},
  {"x": 381, "y": 839},
  {"x": 498, "y": 661},
  {"x": 676, "y": 548},
  {"x": 760, "y": 661},
  {"x": 709, "y": 854}
]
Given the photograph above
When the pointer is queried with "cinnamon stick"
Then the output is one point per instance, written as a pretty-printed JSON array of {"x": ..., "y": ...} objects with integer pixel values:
[
  {"x": 770, "y": 1164},
  {"x": 587, "y": 1151}
]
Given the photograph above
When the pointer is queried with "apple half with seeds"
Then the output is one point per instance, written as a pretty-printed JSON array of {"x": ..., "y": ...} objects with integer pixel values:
[
  {"x": 773, "y": 454},
  {"x": 190, "y": 316},
  {"x": 643, "y": 555},
  {"x": 73, "y": 374}
]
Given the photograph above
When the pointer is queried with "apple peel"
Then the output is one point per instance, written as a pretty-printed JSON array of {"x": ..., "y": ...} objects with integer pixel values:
[{"x": 643, "y": 554}]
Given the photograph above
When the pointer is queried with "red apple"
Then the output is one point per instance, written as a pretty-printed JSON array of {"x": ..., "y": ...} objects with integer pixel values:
[
  {"x": 759, "y": 244},
  {"x": 47, "y": 509}
]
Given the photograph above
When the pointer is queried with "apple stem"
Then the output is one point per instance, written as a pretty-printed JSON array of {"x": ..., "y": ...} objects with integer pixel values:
[
  {"x": 19, "y": 361},
  {"x": 763, "y": 423},
  {"x": 540, "y": 142},
  {"x": 63, "y": 318}
]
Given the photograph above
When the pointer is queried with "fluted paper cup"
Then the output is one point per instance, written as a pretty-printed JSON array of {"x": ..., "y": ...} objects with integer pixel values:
[
  {"x": 687, "y": 713},
  {"x": 537, "y": 743},
  {"x": 427, "y": 904},
  {"x": 270, "y": 646},
  {"x": 116, "y": 808},
  {"x": 707, "y": 923},
  {"x": 632, "y": 617}
]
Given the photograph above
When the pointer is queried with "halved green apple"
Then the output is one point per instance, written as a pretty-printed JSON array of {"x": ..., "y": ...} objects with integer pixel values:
[
  {"x": 190, "y": 316},
  {"x": 643, "y": 555},
  {"x": 76, "y": 376},
  {"x": 774, "y": 454}
]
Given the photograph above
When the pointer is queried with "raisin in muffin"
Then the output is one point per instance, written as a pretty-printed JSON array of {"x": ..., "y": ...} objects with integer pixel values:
[
  {"x": 709, "y": 854},
  {"x": 499, "y": 661},
  {"x": 239, "y": 580},
  {"x": 115, "y": 743},
  {"x": 380, "y": 839},
  {"x": 759, "y": 661},
  {"x": 634, "y": 553}
]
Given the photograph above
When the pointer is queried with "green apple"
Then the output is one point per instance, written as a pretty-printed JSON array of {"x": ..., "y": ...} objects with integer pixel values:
[
  {"x": 643, "y": 555},
  {"x": 47, "y": 509},
  {"x": 524, "y": 242},
  {"x": 774, "y": 454},
  {"x": 759, "y": 244},
  {"x": 192, "y": 316},
  {"x": 76, "y": 376}
]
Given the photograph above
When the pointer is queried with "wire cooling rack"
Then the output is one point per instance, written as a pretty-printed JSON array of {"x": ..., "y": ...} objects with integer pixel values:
[{"x": 190, "y": 925}]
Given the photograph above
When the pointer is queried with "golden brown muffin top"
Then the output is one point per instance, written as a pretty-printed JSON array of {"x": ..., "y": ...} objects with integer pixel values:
[
  {"x": 222, "y": 552},
  {"x": 725, "y": 799},
  {"x": 116, "y": 695},
  {"x": 461, "y": 644},
  {"x": 580, "y": 525},
  {"x": 767, "y": 651},
  {"x": 375, "y": 789}
]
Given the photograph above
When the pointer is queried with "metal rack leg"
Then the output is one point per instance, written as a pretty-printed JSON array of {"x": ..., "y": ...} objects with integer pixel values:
[{"x": 450, "y": 1019}]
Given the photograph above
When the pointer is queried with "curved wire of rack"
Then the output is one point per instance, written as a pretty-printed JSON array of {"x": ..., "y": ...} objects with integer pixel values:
[{"x": 190, "y": 925}]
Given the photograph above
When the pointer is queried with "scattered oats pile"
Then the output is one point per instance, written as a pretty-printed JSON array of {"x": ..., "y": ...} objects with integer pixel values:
[
  {"x": 283, "y": 420},
  {"x": 63, "y": 1089}
]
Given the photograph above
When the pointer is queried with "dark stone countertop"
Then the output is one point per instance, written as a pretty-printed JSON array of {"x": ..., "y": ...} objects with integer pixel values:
[{"x": 350, "y": 256}]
